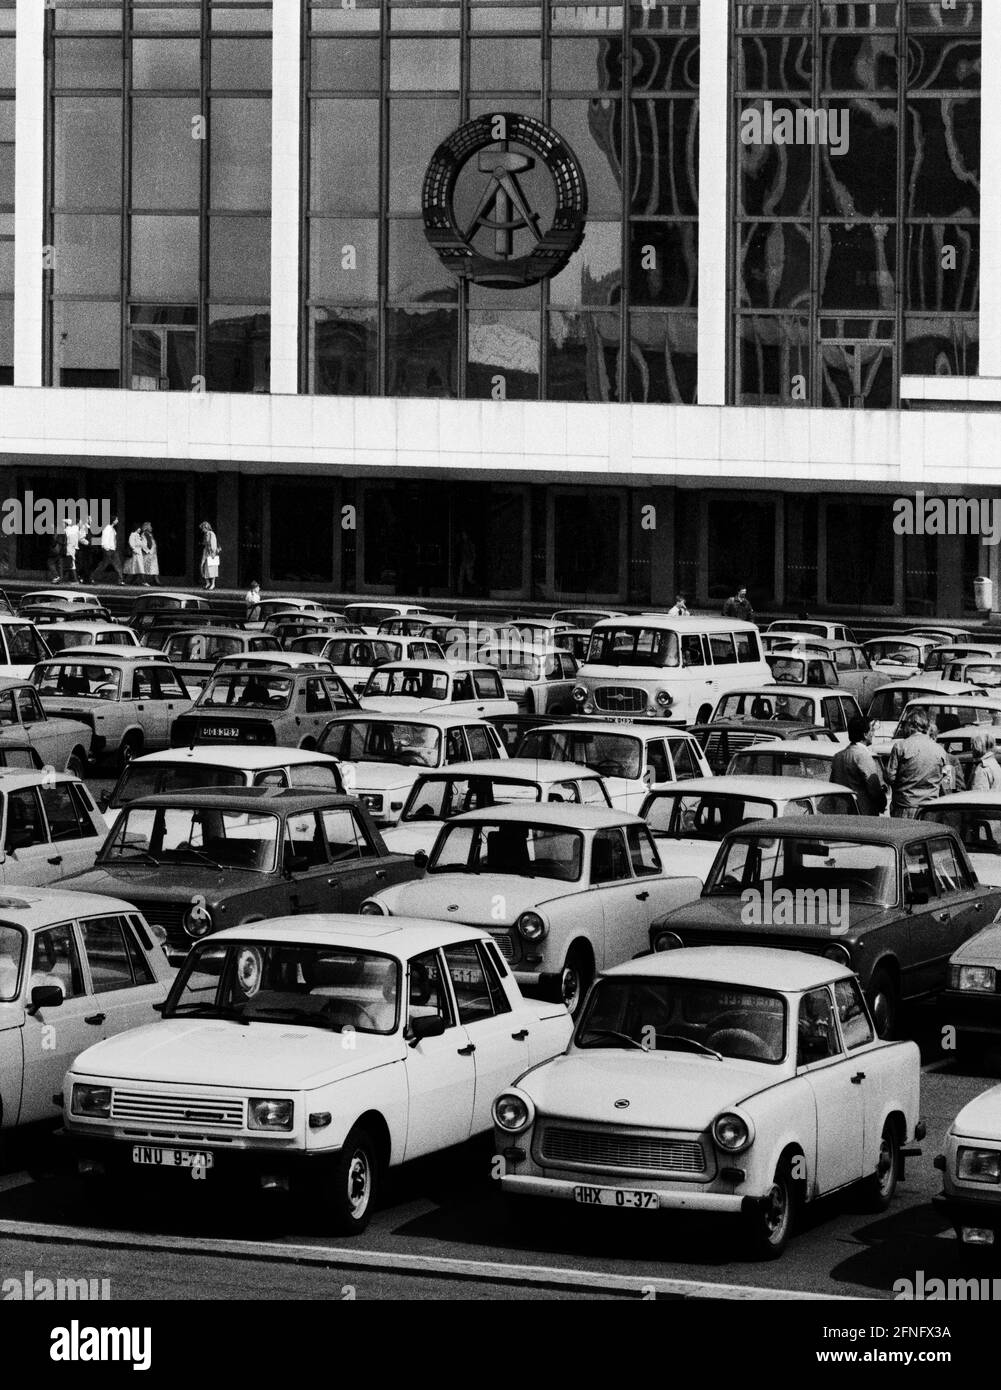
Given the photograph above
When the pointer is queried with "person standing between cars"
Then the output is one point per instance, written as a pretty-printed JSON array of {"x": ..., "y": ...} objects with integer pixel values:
[
  {"x": 918, "y": 768},
  {"x": 134, "y": 570},
  {"x": 680, "y": 609},
  {"x": 109, "y": 552},
  {"x": 855, "y": 767},
  {"x": 71, "y": 535},
  {"x": 738, "y": 605},
  {"x": 210, "y": 555},
  {"x": 985, "y": 771},
  {"x": 252, "y": 598},
  {"x": 151, "y": 562}
]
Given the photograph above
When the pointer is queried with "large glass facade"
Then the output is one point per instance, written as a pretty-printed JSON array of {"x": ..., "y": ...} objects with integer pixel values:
[
  {"x": 159, "y": 139},
  {"x": 387, "y": 82},
  {"x": 6, "y": 192},
  {"x": 856, "y": 198}
]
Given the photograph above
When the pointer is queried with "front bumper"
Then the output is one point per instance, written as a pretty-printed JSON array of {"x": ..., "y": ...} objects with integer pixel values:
[
  {"x": 972, "y": 1011},
  {"x": 670, "y": 1198},
  {"x": 99, "y": 1156},
  {"x": 967, "y": 1214}
]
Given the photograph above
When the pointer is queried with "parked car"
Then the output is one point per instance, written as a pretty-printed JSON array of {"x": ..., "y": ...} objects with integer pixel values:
[
  {"x": 194, "y": 862},
  {"x": 49, "y": 826},
  {"x": 899, "y": 657},
  {"x": 971, "y": 1169},
  {"x": 437, "y": 797},
  {"x": 273, "y": 705},
  {"x": 949, "y": 715},
  {"x": 184, "y": 769},
  {"x": 888, "y": 704},
  {"x": 812, "y": 627},
  {"x": 942, "y": 632},
  {"x": 153, "y": 629},
  {"x": 431, "y": 1026},
  {"x": 370, "y": 613},
  {"x": 797, "y": 757},
  {"x": 939, "y": 659},
  {"x": 354, "y": 658},
  {"x": 811, "y": 705},
  {"x": 762, "y": 1088},
  {"x": 270, "y": 610},
  {"x": 163, "y": 600},
  {"x": 795, "y": 666},
  {"x": 59, "y": 743},
  {"x": 74, "y": 969},
  {"x": 584, "y": 617},
  {"x": 286, "y": 627},
  {"x": 723, "y": 739},
  {"x": 563, "y": 890},
  {"x": 382, "y": 756},
  {"x": 128, "y": 698},
  {"x": 984, "y": 675},
  {"x": 417, "y": 625},
  {"x": 853, "y": 669},
  {"x": 415, "y": 687},
  {"x": 689, "y": 822},
  {"x": 76, "y": 633},
  {"x": 196, "y": 651},
  {"x": 21, "y": 647},
  {"x": 539, "y": 679},
  {"x": 76, "y": 601},
  {"x": 890, "y": 898},
  {"x": 632, "y": 758}
]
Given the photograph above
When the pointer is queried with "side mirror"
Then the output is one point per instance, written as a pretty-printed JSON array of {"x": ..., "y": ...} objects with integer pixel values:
[
  {"x": 430, "y": 1027},
  {"x": 45, "y": 997},
  {"x": 421, "y": 859}
]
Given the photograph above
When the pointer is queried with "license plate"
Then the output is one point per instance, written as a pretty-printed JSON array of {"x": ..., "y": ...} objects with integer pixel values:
[
  {"x": 977, "y": 1235},
  {"x": 220, "y": 731},
  {"x": 616, "y": 1197},
  {"x": 171, "y": 1158}
]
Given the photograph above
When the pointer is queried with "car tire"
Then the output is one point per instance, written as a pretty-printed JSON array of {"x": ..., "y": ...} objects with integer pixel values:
[
  {"x": 878, "y": 1188},
  {"x": 131, "y": 747},
  {"x": 768, "y": 1225},
  {"x": 883, "y": 998},
  {"x": 574, "y": 979},
  {"x": 353, "y": 1181},
  {"x": 76, "y": 764}
]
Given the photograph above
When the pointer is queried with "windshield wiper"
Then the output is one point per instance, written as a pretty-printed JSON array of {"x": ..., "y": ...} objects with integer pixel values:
[
  {"x": 612, "y": 1033},
  {"x": 146, "y": 854},
  {"x": 200, "y": 854},
  {"x": 232, "y": 1012},
  {"x": 312, "y": 1016},
  {"x": 690, "y": 1042}
]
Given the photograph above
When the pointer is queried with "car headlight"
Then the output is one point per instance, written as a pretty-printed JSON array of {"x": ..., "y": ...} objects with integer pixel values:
[
  {"x": 579, "y": 693},
  {"x": 839, "y": 953},
  {"x": 513, "y": 1111},
  {"x": 731, "y": 1132},
  {"x": 979, "y": 1165},
  {"x": 531, "y": 926},
  {"x": 269, "y": 1114},
  {"x": 973, "y": 977},
  {"x": 667, "y": 941},
  {"x": 94, "y": 1101},
  {"x": 663, "y": 697},
  {"x": 371, "y": 909},
  {"x": 197, "y": 921}
]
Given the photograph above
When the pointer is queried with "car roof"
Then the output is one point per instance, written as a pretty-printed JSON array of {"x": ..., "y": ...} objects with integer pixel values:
[
  {"x": 689, "y": 624},
  {"x": 88, "y": 625},
  {"x": 757, "y": 967},
  {"x": 14, "y": 683},
  {"x": 41, "y": 907},
  {"x": 813, "y": 746},
  {"x": 610, "y": 726},
  {"x": 780, "y": 688},
  {"x": 877, "y": 830},
  {"x": 403, "y": 936},
  {"x": 515, "y": 769},
  {"x": 552, "y": 813},
  {"x": 255, "y": 660},
  {"x": 290, "y": 799},
  {"x": 763, "y": 787},
  {"x": 12, "y": 779},
  {"x": 436, "y": 721},
  {"x": 963, "y": 701},
  {"x": 919, "y": 683},
  {"x": 110, "y": 650},
  {"x": 439, "y": 664},
  {"x": 245, "y": 755},
  {"x": 218, "y": 632}
]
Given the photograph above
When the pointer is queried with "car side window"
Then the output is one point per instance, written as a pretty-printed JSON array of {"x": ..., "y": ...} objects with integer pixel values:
[
  {"x": 722, "y": 648},
  {"x": 609, "y": 861},
  {"x": 317, "y": 699},
  {"x": 455, "y": 746},
  {"x": 55, "y": 961},
  {"x": 108, "y": 954},
  {"x": 918, "y": 886},
  {"x": 569, "y": 665},
  {"x": 480, "y": 746},
  {"x": 7, "y": 711},
  {"x": 25, "y": 823},
  {"x": 834, "y": 715},
  {"x": 948, "y": 872},
  {"x": 345, "y": 836},
  {"x": 272, "y": 777},
  {"x": 168, "y": 686},
  {"x": 642, "y": 851},
  {"x": 314, "y": 775},
  {"x": 462, "y": 686},
  {"x": 61, "y": 813},
  {"x": 29, "y": 708},
  {"x": 691, "y": 650},
  {"x": 488, "y": 685},
  {"x": 816, "y": 1033},
  {"x": 142, "y": 683},
  {"x": 592, "y": 792},
  {"x": 478, "y": 992},
  {"x": 428, "y": 997},
  {"x": 685, "y": 765},
  {"x": 856, "y": 1030},
  {"x": 304, "y": 837},
  {"x": 658, "y": 761}
]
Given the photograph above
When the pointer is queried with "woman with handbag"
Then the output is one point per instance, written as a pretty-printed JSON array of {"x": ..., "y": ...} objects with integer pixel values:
[
  {"x": 134, "y": 572},
  {"x": 151, "y": 563},
  {"x": 210, "y": 556}
]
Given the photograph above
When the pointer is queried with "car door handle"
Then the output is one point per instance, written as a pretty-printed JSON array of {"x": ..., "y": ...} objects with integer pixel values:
[
  {"x": 58, "y": 859},
  {"x": 642, "y": 897},
  {"x": 521, "y": 1035},
  {"x": 941, "y": 916},
  {"x": 466, "y": 1051},
  {"x": 380, "y": 873},
  {"x": 858, "y": 1078},
  {"x": 94, "y": 1018},
  {"x": 977, "y": 907}
]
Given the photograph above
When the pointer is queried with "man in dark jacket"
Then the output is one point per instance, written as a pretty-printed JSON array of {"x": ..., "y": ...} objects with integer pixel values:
[
  {"x": 854, "y": 767},
  {"x": 738, "y": 605}
]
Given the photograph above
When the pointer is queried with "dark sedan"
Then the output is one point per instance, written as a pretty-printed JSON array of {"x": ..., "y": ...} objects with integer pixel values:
[
  {"x": 891, "y": 898},
  {"x": 194, "y": 862}
]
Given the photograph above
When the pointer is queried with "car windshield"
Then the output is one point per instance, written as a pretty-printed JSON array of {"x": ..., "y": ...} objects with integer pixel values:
[
  {"x": 145, "y": 779},
  {"x": 633, "y": 646},
  {"x": 612, "y": 755},
  {"x": 11, "y": 956},
  {"x": 947, "y": 717},
  {"x": 704, "y": 816},
  {"x": 867, "y": 873},
  {"x": 779, "y": 764},
  {"x": 362, "y": 651},
  {"x": 889, "y": 704},
  {"x": 979, "y": 827},
  {"x": 361, "y": 740},
  {"x": 509, "y": 847},
  {"x": 340, "y": 989},
  {"x": 261, "y": 689},
  {"x": 222, "y": 838},
  {"x": 983, "y": 675},
  {"x": 698, "y": 1017},
  {"x": 517, "y": 666},
  {"x": 788, "y": 668},
  {"x": 202, "y": 646},
  {"x": 413, "y": 681},
  {"x": 367, "y": 614},
  {"x": 441, "y": 798},
  {"x": 87, "y": 679},
  {"x": 752, "y": 704},
  {"x": 894, "y": 650}
]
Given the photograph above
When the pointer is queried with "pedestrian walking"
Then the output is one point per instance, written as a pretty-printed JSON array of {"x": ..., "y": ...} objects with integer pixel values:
[
  {"x": 985, "y": 771},
  {"x": 210, "y": 555},
  {"x": 679, "y": 609},
  {"x": 854, "y": 767},
  {"x": 151, "y": 560},
  {"x": 134, "y": 566},
  {"x": 71, "y": 538},
  {"x": 252, "y": 598},
  {"x": 109, "y": 553},
  {"x": 918, "y": 768},
  {"x": 738, "y": 605}
]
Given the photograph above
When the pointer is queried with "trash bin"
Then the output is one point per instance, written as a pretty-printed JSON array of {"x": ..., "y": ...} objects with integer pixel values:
[{"x": 983, "y": 593}]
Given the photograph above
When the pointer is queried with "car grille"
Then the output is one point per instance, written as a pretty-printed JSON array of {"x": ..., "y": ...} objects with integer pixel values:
[
  {"x": 131, "y": 1107},
  {"x": 508, "y": 943},
  {"x": 566, "y": 1145},
  {"x": 620, "y": 699},
  {"x": 170, "y": 916}
]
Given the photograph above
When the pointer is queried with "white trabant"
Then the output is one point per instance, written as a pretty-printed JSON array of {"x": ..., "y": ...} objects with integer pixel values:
[
  {"x": 689, "y": 822},
  {"x": 563, "y": 890},
  {"x": 676, "y": 668},
  {"x": 899, "y": 657},
  {"x": 315, "y": 1051},
  {"x": 60, "y": 635},
  {"x": 74, "y": 968},
  {"x": 21, "y": 647},
  {"x": 632, "y": 758},
  {"x": 369, "y": 614},
  {"x": 796, "y": 757},
  {"x": 440, "y": 796},
  {"x": 818, "y": 706},
  {"x": 720, "y": 1080},
  {"x": 810, "y": 627},
  {"x": 434, "y": 687},
  {"x": 971, "y": 1169},
  {"x": 940, "y": 659},
  {"x": 539, "y": 678},
  {"x": 354, "y": 658},
  {"x": 888, "y": 704},
  {"x": 949, "y": 714},
  {"x": 382, "y": 755}
]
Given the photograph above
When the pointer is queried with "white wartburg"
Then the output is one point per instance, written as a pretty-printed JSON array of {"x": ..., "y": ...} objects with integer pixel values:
[
  {"x": 563, "y": 890},
  {"x": 315, "y": 1052},
  {"x": 715, "y": 1079}
]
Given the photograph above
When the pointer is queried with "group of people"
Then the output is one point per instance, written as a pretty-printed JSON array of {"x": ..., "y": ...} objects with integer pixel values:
[
  {"x": 80, "y": 556},
  {"x": 917, "y": 770},
  {"x": 738, "y": 605}
]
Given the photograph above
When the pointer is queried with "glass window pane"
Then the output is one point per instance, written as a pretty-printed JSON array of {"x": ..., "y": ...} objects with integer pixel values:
[
  {"x": 857, "y": 266},
  {"x": 663, "y": 259},
  {"x": 586, "y": 65},
  {"x": 77, "y": 20},
  {"x": 344, "y": 260},
  {"x": 943, "y": 158},
  {"x": 594, "y": 273},
  {"x": 81, "y": 63},
  {"x": 416, "y": 128},
  {"x": 341, "y": 66},
  {"x": 255, "y": 18},
  {"x": 415, "y": 271},
  {"x": 487, "y": 18},
  {"x": 505, "y": 65},
  {"x": 167, "y": 63},
  {"x": 7, "y": 176},
  {"x": 775, "y": 180},
  {"x": 6, "y": 267},
  {"x": 238, "y": 351},
  {"x": 166, "y": 157},
  {"x": 424, "y": 65},
  {"x": 665, "y": 175},
  {"x": 86, "y": 344},
  {"x": 240, "y": 153},
  {"x": 364, "y": 17},
  {"x": 240, "y": 258},
  {"x": 781, "y": 63},
  {"x": 164, "y": 258},
  {"x": 858, "y": 165},
  {"x": 773, "y": 353},
  {"x": 583, "y": 357},
  {"x": 88, "y": 152},
  {"x": 503, "y": 355},
  {"x": 941, "y": 346},
  {"x": 593, "y": 131},
  {"x": 774, "y": 265},
  {"x": 6, "y": 342},
  {"x": 663, "y": 358},
  {"x": 344, "y": 156},
  {"x": 422, "y": 352},
  {"x": 241, "y": 63},
  {"x": 943, "y": 266},
  {"x": 344, "y": 352},
  {"x": 665, "y": 64},
  {"x": 161, "y": 20},
  {"x": 87, "y": 255}
]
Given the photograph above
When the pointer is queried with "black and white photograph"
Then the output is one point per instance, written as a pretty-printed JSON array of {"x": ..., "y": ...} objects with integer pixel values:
[{"x": 500, "y": 673}]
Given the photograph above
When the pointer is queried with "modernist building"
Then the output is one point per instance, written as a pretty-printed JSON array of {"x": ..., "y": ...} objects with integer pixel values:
[{"x": 517, "y": 299}]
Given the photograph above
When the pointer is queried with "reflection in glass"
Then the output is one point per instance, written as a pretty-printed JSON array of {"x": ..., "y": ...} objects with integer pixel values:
[
  {"x": 857, "y": 266},
  {"x": 943, "y": 158},
  {"x": 663, "y": 358},
  {"x": 503, "y": 354},
  {"x": 344, "y": 156},
  {"x": 594, "y": 273},
  {"x": 775, "y": 261},
  {"x": 416, "y": 128},
  {"x": 663, "y": 263},
  {"x": 422, "y": 348},
  {"x": 344, "y": 259},
  {"x": 166, "y": 161},
  {"x": 773, "y": 359},
  {"x": 941, "y": 346},
  {"x": 238, "y": 348},
  {"x": 593, "y": 130},
  {"x": 665, "y": 157},
  {"x": 943, "y": 266},
  {"x": 86, "y": 344},
  {"x": 344, "y": 352},
  {"x": 416, "y": 274},
  {"x": 240, "y": 258},
  {"x": 583, "y": 357}
]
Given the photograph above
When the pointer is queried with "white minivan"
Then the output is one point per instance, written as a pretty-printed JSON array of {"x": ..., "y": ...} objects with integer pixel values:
[{"x": 671, "y": 668}]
